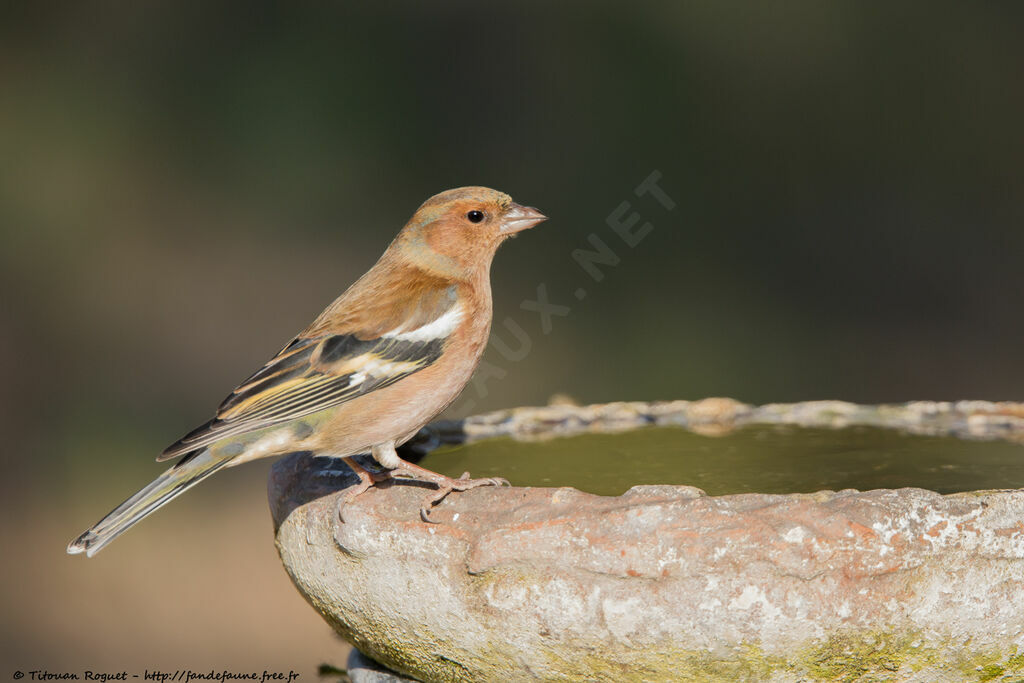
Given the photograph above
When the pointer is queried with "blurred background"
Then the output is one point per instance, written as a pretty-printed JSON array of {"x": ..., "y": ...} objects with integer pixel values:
[{"x": 183, "y": 186}]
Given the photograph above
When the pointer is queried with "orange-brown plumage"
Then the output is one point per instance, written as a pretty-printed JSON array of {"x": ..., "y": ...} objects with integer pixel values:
[{"x": 382, "y": 360}]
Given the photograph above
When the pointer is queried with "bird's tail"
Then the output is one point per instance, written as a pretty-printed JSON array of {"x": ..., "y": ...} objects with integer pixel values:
[{"x": 190, "y": 470}]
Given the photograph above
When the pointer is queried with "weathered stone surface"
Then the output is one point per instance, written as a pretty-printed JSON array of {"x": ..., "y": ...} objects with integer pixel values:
[
  {"x": 662, "y": 583},
  {"x": 964, "y": 419}
]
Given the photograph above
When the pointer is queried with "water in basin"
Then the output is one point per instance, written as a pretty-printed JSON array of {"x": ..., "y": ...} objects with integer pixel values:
[{"x": 763, "y": 459}]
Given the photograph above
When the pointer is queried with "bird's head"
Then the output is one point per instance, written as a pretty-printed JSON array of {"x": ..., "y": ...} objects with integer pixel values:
[{"x": 455, "y": 233}]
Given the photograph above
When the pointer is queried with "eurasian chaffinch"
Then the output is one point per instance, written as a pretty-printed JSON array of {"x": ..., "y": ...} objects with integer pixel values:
[{"x": 379, "y": 363}]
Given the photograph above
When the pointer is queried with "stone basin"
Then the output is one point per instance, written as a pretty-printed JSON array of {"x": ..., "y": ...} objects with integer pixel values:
[{"x": 665, "y": 582}]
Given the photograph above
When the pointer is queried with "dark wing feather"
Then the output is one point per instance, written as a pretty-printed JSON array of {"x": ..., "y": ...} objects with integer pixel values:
[{"x": 308, "y": 376}]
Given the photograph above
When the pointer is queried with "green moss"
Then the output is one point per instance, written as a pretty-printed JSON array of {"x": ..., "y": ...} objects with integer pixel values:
[
  {"x": 751, "y": 664},
  {"x": 860, "y": 656},
  {"x": 988, "y": 666},
  {"x": 991, "y": 671}
]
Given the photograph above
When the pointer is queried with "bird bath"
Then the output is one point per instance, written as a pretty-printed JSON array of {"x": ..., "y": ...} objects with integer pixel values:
[{"x": 705, "y": 540}]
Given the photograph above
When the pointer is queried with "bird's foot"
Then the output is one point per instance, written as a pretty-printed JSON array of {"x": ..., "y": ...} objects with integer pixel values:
[
  {"x": 463, "y": 483},
  {"x": 445, "y": 485},
  {"x": 366, "y": 480}
]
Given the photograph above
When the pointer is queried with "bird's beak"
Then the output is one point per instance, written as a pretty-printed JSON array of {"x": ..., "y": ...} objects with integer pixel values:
[{"x": 519, "y": 218}]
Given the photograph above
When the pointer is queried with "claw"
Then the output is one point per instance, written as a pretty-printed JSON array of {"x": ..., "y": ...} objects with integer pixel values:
[
  {"x": 351, "y": 494},
  {"x": 366, "y": 480}
]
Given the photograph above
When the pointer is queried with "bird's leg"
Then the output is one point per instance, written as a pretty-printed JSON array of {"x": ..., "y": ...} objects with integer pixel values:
[
  {"x": 386, "y": 455},
  {"x": 366, "y": 480}
]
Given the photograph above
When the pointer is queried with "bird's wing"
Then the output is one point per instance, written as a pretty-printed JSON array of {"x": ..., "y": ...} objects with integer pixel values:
[{"x": 322, "y": 371}]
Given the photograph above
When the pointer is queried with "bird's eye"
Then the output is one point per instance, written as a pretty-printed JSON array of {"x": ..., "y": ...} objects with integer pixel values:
[{"x": 475, "y": 216}]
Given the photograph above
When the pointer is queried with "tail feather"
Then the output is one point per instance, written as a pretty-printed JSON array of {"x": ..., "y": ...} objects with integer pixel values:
[{"x": 187, "y": 472}]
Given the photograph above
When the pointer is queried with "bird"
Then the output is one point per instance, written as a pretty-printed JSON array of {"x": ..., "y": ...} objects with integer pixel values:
[{"x": 389, "y": 354}]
